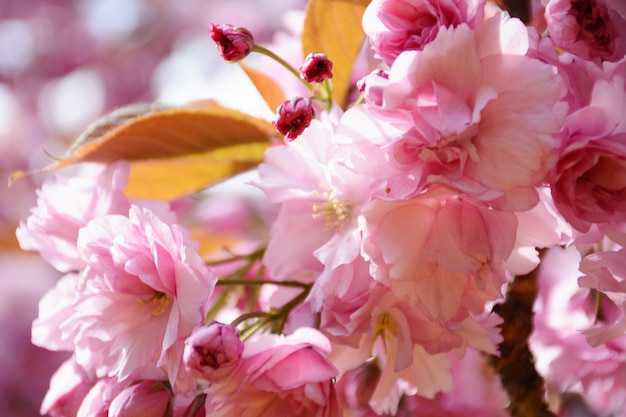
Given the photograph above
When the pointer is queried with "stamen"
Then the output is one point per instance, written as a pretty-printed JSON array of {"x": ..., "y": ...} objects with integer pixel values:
[
  {"x": 160, "y": 301},
  {"x": 335, "y": 211},
  {"x": 385, "y": 328}
]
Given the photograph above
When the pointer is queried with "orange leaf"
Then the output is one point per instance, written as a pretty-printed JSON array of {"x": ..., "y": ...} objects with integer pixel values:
[
  {"x": 267, "y": 87},
  {"x": 333, "y": 27},
  {"x": 167, "y": 179},
  {"x": 174, "y": 140}
]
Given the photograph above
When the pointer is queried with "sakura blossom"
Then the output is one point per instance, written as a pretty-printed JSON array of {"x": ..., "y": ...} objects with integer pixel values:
[
  {"x": 431, "y": 223},
  {"x": 397, "y": 26},
  {"x": 590, "y": 29},
  {"x": 455, "y": 120},
  {"x": 589, "y": 184},
  {"x": 141, "y": 294}
]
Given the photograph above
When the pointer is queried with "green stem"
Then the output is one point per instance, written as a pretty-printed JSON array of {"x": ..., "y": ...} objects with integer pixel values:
[
  {"x": 270, "y": 54},
  {"x": 257, "y": 254},
  {"x": 263, "y": 282}
]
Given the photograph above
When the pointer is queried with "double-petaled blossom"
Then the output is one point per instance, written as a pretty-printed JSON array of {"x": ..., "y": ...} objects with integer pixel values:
[
  {"x": 590, "y": 182},
  {"x": 143, "y": 291},
  {"x": 233, "y": 43},
  {"x": 568, "y": 316},
  {"x": 64, "y": 205},
  {"x": 213, "y": 351},
  {"x": 279, "y": 375},
  {"x": 476, "y": 113},
  {"x": 394, "y": 26},
  {"x": 590, "y": 29},
  {"x": 442, "y": 253},
  {"x": 143, "y": 399}
]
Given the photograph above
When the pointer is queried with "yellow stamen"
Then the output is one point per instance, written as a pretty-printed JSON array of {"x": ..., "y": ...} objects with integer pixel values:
[
  {"x": 160, "y": 301},
  {"x": 335, "y": 211},
  {"x": 385, "y": 328}
]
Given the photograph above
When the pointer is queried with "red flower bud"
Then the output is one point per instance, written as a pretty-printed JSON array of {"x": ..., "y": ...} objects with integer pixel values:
[
  {"x": 293, "y": 116},
  {"x": 316, "y": 68},
  {"x": 233, "y": 43}
]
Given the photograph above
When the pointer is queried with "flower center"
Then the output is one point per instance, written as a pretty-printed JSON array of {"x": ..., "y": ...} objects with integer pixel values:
[
  {"x": 335, "y": 211},
  {"x": 385, "y": 328},
  {"x": 160, "y": 301}
]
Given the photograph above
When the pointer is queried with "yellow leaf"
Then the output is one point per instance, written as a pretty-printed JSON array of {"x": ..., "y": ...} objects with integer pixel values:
[
  {"x": 333, "y": 27},
  {"x": 267, "y": 87},
  {"x": 170, "y": 147},
  {"x": 167, "y": 179}
]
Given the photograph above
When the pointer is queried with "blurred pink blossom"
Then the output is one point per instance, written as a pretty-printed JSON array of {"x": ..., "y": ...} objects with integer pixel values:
[
  {"x": 394, "y": 26},
  {"x": 590, "y": 29}
]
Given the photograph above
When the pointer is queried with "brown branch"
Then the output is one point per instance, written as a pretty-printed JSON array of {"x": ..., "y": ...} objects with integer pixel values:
[
  {"x": 518, "y": 375},
  {"x": 516, "y": 8}
]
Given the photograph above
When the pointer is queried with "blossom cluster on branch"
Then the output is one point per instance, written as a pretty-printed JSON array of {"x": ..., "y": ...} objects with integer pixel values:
[{"x": 475, "y": 150}]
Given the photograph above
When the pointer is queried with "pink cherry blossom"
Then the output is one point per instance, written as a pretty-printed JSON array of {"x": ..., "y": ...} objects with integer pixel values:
[
  {"x": 590, "y": 182},
  {"x": 146, "y": 398},
  {"x": 459, "y": 98},
  {"x": 144, "y": 290},
  {"x": 279, "y": 375},
  {"x": 564, "y": 312},
  {"x": 394, "y": 26},
  {"x": 320, "y": 199},
  {"x": 68, "y": 387},
  {"x": 590, "y": 29},
  {"x": 64, "y": 205},
  {"x": 213, "y": 351},
  {"x": 441, "y": 252}
]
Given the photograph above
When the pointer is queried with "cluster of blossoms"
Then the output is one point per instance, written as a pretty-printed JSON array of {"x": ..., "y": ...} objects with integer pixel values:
[{"x": 476, "y": 142}]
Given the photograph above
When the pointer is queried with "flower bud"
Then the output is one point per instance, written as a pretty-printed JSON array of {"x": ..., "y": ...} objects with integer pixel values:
[
  {"x": 196, "y": 408},
  {"x": 146, "y": 399},
  {"x": 356, "y": 387},
  {"x": 213, "y": 351},
  {"x": 293, "y": 116},
  {"x": 316, "y": 68},
  {"x": 233, "y": 43}
]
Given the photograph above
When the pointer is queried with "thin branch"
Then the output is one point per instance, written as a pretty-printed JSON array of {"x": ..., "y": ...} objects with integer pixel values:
[{"x": 518, "y": 375}]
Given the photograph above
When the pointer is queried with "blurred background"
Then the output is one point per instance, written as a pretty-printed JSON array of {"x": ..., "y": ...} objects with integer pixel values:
[{"x": 63, "y": 63}]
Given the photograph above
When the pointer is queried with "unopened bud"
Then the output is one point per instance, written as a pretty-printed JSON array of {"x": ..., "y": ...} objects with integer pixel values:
[
  {"x": 147, "y": 398},
  {"x": 196, "y": 408},
  {"x": 213, "y": 351},
  {"x": 233, "y": 43},
  {"x": 293, "y": 116},
  {"x": 316, "y": 68},
  {"x": 356, "y": 387}
]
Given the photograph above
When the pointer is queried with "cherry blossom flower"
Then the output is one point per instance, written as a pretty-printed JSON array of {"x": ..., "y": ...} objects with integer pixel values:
[
  {"x": 145, "y": 398},
  {"x": 213, "y": 351},
  {"x": 477, "y": 114},
  {"x": 279, "y": 375},
  {"x": 64, "y": 205},
  {"x": 68, "y": 387},
  {"x": 394, "y": 26},
  {"x": 564, "y": 313},
  {"x": 441, "y": 252},
  {"x": 590, "y": 29},
  {"x": 142, "y": 293},
  {"x": 590, "y": 182}
]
